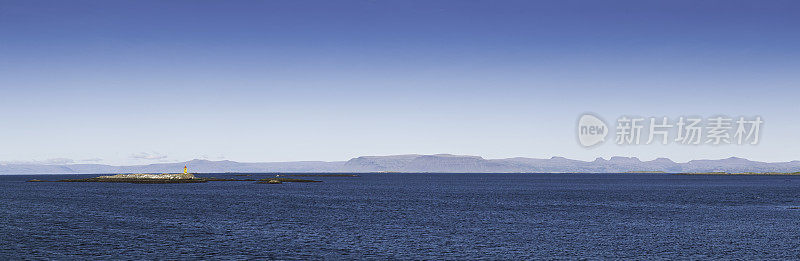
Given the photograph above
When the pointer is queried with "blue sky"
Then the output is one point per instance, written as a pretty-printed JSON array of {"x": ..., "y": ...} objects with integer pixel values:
[{"x": 132, "y": 82}]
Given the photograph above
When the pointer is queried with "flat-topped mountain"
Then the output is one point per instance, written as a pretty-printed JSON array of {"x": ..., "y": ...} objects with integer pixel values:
[{"x": 442, "y": 163}]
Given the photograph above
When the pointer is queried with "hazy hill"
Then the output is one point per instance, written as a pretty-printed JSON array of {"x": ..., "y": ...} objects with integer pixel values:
[{"x": 421, "y": 163}]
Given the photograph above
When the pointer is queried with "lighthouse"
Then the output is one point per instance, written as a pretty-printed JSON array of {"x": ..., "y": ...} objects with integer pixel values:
[{"x": 185, "y": 170}]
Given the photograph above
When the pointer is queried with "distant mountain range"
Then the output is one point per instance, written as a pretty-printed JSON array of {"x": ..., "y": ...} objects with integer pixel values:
[{"x": 441, "y": 163}]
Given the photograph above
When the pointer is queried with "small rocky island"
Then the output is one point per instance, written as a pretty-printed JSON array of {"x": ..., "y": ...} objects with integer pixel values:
[
  {"x": 184, "y": 177},
  {"x": 143, "y": 178},
  {"x": 172, "y": 178}
]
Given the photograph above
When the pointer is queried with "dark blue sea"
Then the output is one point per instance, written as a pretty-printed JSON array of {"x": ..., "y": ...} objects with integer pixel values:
[{"x": 406, "y": 216}]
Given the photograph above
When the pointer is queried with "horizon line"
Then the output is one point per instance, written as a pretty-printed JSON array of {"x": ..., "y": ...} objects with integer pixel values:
[{"x": 391, "y": 155}]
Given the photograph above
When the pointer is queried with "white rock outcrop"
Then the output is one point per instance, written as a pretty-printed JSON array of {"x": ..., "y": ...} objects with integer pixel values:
[{"x": 149, "y": 176}]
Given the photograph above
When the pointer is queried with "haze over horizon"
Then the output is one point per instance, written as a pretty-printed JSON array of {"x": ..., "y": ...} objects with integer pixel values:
[
  {"x": 140, "y": 82},
  {"x": 65, "y": 161},
  {"x": 441, "y": 163}
]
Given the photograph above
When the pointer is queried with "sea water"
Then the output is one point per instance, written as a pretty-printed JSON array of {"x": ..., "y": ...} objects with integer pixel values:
[{"x": 406, "y": 216}]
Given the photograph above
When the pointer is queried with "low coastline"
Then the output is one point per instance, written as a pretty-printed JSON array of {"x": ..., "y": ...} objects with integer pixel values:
[
  {"x": 742, "y": 173},
  {"x": 167, "y": 178}
]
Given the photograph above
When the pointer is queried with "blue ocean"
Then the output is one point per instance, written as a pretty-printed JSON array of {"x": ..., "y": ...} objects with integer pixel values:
[{"x": 406, "y": 216}]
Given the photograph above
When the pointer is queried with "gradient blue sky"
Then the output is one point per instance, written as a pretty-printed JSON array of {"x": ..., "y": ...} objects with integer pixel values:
[{"x": 118, "y": 82}]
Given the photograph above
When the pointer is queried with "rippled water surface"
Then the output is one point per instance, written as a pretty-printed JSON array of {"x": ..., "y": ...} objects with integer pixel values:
[{"x": 407, "y": 216}]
